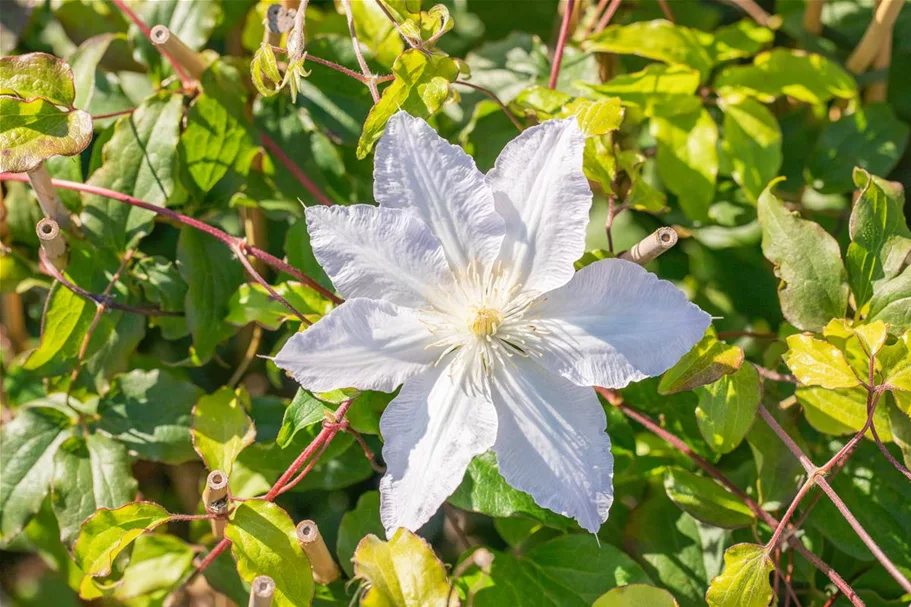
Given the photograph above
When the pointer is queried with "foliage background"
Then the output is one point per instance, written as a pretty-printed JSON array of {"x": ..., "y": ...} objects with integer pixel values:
[{"x": 103, "y": 407}]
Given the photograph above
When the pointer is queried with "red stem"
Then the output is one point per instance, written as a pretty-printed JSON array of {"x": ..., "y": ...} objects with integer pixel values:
[
  {"x": 231, "y": 241},
  {"x": 295, "y": 170},
  {"x": 126, "y": 10},
  {"x": 561, "y": 43},
  {"x": 608, "y": 15}
]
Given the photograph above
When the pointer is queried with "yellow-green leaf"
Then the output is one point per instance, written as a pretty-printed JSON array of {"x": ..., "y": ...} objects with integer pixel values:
[
  {"x": 896, "y": 362},
  {"x": 636, "y": 595},
  {"x": 818, "y": 363},
  {"x": 222, "y": 428},
  {"x": 33, "y": 131},
  {"x": 745, "y": 579},
  {"x": 596, "y": 117},
  {"x": 37, "y": 75},
  {"x": 872, "y": 336},
  {"x": 107, "y": 533},
  {"x": 264, "y": 542},
  {"x": 727, "y": 408},
  {"x": 420, "y": 87},
  {"x": 841, "y": 411},
  {"x": 403, "y": 572},
  {"x": 659, "y": 89},
  {"x": 705, "y": 363}
]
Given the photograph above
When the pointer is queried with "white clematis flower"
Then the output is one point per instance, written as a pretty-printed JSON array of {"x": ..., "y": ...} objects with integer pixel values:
[{"x": 462, "y": 287}]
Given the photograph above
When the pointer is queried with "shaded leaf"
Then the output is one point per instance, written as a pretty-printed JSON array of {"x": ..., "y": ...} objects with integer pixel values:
[
  {"x": 807, "y": 259},
  {"x": 33, "y": 131},
  {"x": 688, "y": 159},
  {"x": 304, "y": 410},
  {"x": 706, "y": 500},
  {"x": 356, "y": 524},
  {"x": 727, "y": 408},
  {"x": 264, "y": 542}
]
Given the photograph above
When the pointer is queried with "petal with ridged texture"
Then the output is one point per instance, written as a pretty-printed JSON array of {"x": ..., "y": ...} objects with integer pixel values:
[
  {"x": 364, "y": 344},
  {"x": 615, "y": 323}
]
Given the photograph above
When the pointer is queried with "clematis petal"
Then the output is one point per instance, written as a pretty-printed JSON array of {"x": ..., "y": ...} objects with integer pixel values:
[
  {"x": 417, "y": 169},
  {"x": 544, "y": 198},
  {"x": 551, "y": 442},
  {"x": 378, "y": 253},
  {"x": 432, "y": 430},
  {"x": 365, "y": 344},
  {"x": 614, "y": 323}
]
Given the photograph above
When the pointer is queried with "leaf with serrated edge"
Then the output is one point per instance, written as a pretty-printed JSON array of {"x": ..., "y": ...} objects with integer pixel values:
[
  {"x": 403, "y": 572},
  {"x": 818, "y": 363},
  {"x": 264, "y": 542},
  {"x": 745, "y": 580},
  {"x": 221, "y": 428},
  {"x": 708, "y": 361}
]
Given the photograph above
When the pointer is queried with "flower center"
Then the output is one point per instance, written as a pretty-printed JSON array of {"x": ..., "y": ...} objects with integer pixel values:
[{"x": 485, "y": 321}]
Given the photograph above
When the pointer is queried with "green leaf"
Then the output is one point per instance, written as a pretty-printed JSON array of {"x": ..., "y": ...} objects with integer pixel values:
[
  {"x": 262, "y": 66},
  {"x": 688, "y": 159},
  {"x": 158, "y": 563},
  {"x": 818, "y": 363},
  {"x": 891, "y": 301},
  {"x": 567, "y": 571},
  {"x": 804, "y": 76},
  {"x": 641, "y": 195},
  {"x": 150, "y": 412},
  {"x": 727, "y": 408},
  {"x": 90, "y": 472},
  {"x": 896, "y": 363},
  {"x": 706, "y": 500},
  {"x": 108, "y": 532},
  {"x": 264, "y": 542},
  {"x": 660, "y": 40},
  {"x": 880, "y": 237},
  {"x": 140, "y": 161},
  {"x": 252, "y": 303},
  {"x": 872, "y": 139},
  {"x": 217, "y": 136},
  {"x": 708, "y": 361},
  {"x": 807, "y": 259},
  {"x": 37, "y": 75},
  {"x": 841, "y": 411},
  {"x": 305, "y": 410},
  {"x": 357, "y": 524},
  {"x": 162, "y": 284},
  {"x": 33, "y": 131},
  {"x": 420, "y": 87},
  {"x": 872, "y": 336},
  {"x": 779, "y": 472},
  {"x": 596, "y": 117},
  {"x": 752, "y": 140},
  {"x": 212, "y": 278},
  {"x": 29, "y": 442},
  {"x": 636, "y": 595},
  {"x": 745, "y": 580},
  {"x": 658, "y": 90},
  {"x": 221, "y": 428},
  {"x": 484, "y": 490},
  {"x": 85, "y": 67},
  {"x": 403, "y": 572},
  {"x": 668, "y": 543},
  {"x": 744, "y": 38}
]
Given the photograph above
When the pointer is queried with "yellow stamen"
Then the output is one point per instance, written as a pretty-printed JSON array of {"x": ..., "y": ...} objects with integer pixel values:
[{"x": 485, "y": 321}]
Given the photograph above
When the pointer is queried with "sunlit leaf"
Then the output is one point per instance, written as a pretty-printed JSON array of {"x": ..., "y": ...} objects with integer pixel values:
[
  {"x": 818, "y": 363},
  {"x": 727, "y": 408},
  {"x": 221, "y": 428},
  {"x": 37, "y": 75},
  {"x": 688, "y": 159},
  {"x": 745, "y": 580},
  {"x": 33, "y": 131},
  {"x": 704, "y": 364}
]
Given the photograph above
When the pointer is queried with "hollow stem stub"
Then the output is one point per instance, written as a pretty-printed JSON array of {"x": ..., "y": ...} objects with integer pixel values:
[
  {"x": 215, "y": 495},
  {"x": 651, "y": 246},
  {"x": 190, "y": 61},
  {"x": 261, "y": 591},
  {"x": 325, "y": 570},
  {"x": 51, "y": 241}
]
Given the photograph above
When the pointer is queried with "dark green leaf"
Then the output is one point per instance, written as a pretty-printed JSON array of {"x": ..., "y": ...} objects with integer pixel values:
[
  {"x": 706, "y": 500},
  {"x": 807, "y": 259},
  {"x": 357, "y": 524},
  {"x": 149, "y": 411},
  {"x": 305, "y": 410}
]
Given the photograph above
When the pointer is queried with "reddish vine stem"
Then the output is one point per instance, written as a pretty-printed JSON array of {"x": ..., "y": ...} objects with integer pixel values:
[
  {"x": 114, "y": 114},
  {"x": 231, "y": 241},
  {"x": 879, "y": 443},
  {"x": 496, "y": 100},
  {"x": 369, "y": 78},
  {"x": 591, "y": 24},
  {"x": 775, "y": 375},
  {"x": 561, "y": 42},
  {"x": 666, "y": 9},
  {"x": 338, "y": 68},
  {"x": 608, "y": 15},
  {"x": 262, "y": 282},
  {"x": 817, "y": 475},
  {"x": 715, "y": 473},
  {"x": 185, "y": 79},
  {"x": 295, "y": 170}
]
